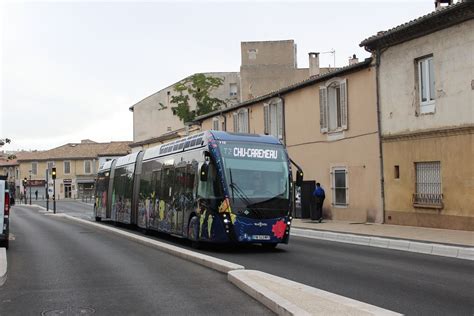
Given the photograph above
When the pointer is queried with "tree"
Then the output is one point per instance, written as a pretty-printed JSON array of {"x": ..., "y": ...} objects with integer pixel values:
[
  {"x": 4, "y": 141},
  {"x": 199, "y": 87}
]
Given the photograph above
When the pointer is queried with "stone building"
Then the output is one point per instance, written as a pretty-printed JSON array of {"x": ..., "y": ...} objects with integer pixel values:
[
  {"x": 426, "y": 99},
  {"x": 76, "y": 168},
  {"x": 329, "y": 126}
]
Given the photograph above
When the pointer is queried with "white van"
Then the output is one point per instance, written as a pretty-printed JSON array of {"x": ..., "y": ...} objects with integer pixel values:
[{"x": 4, "y": 214}]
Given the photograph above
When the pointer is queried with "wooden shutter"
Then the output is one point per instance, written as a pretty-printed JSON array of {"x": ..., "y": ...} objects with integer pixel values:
[
  {"x": 266, "y": 118},
  {"x": 344, "y": 117},
  {"x": 279, "y": 109},
  {"x": 323, "y": 109},
  {"x": 245, "y": 127},
  {"x": 236, "y": 120}
]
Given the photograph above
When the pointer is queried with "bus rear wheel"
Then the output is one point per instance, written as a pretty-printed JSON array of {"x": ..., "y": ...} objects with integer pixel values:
[{"x": 193, "y": 232}]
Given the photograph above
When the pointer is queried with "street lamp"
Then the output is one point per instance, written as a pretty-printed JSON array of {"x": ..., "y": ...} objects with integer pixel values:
[{"x": 30, "y": 186}]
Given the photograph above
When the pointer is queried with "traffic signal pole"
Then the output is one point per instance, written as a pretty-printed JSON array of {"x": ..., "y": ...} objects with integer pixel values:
[{"x": 53, "y": 175}]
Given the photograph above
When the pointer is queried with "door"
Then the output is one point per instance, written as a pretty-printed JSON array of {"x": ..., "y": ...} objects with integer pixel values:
[
  {"x": 67, "y": 191},
  {"x": 307, "y": 199}
]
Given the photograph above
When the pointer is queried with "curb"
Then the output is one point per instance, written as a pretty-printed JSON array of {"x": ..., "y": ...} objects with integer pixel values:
[
  {"x": 3, "y": 266},
  {"x": 312, "y": 301},
  {"x": 204, "y": 260},
  {"x": 465, "y": 253}
]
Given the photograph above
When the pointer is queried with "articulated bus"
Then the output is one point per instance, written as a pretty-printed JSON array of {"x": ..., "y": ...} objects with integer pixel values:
[{"x": 210, "y": 187}]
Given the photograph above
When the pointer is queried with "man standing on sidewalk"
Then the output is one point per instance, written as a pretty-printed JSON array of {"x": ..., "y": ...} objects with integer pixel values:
[{"x": 320, "y": 195}]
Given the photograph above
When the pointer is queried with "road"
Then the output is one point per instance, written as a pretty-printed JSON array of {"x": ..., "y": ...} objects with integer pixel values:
[
  {"x": 57, "y": 267},
  {"x": 405, "y": 282}
]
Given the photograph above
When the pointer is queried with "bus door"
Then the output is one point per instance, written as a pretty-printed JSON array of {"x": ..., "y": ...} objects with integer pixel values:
[
  {"x": 108, "y": 210},
  {"x": 136, "y": 188},
  {"x": 179, "y": 199}
]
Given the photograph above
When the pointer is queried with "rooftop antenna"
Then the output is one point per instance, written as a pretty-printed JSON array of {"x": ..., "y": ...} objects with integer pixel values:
[{"x": 333, "y": 52}]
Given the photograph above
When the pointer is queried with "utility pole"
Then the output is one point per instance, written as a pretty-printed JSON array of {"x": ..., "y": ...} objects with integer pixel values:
[
  {"x": 30, "y": 187},
  {"x": 47, "y": 190}
]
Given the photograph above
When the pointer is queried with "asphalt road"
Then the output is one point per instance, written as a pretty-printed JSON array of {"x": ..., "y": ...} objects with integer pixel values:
[
  {"x": 405, "y": 282},
  {"x": 57, "y": 267}
]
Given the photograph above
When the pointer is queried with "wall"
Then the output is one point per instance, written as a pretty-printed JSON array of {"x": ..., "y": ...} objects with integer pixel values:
[
  {"x": 452, "y": 51},
  {"x": 457, "y": 173}
]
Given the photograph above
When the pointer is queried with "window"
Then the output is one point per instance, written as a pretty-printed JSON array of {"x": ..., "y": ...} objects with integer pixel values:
[
  {"x": 339, "y": 187},
  {"x": 428, "y": 184},
  {"x": 241, "y": 121},
  {"x": 50, "y": 166},
  {"x": 333, "y": 106},
  {"x": 87, "y": 166},
  {"x": 396, "y": 172},
  {"x": 426, "y": 84},
  {"x": 233, "y": 89},
  {"x": 252, "y": 53},
  {"x": 67, "y": 167},
  {"x": 215, "y": 123},
  {"x": 34, "y": 168},
  {"x": 273, "y": 118}
]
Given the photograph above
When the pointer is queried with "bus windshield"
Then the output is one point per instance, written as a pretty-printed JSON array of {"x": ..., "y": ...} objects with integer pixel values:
[{"x": 256, "y": 174}]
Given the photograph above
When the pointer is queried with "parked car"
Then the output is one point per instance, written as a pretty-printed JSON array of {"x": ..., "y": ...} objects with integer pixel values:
[{"x": 4, "y": 213}]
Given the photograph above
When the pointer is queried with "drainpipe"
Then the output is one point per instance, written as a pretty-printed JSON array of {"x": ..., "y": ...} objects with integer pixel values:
[{"x": 379, "y": 127}]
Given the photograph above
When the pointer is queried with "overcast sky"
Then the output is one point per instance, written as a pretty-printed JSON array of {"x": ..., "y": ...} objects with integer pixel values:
[{"x": 70, "y": 70}]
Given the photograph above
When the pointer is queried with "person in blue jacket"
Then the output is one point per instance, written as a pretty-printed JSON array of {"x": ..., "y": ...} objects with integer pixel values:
[{"x": 320, "y": 195}]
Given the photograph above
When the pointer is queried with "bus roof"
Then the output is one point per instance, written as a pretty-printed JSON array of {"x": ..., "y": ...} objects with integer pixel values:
[
  {"x": 125, "y": 160},
  {"x": 106, "y": 165}
]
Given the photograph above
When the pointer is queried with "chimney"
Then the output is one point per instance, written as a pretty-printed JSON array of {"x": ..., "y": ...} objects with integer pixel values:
[
  {"x": 314, "y": 64},
  {"x": 353, "y": 60},
  {"x": 439, "y": 4}
]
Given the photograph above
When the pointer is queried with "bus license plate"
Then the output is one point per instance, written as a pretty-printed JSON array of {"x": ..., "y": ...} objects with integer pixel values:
[{"x": 261, "y": 237}]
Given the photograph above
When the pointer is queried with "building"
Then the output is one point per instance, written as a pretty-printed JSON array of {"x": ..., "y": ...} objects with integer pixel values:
[
  {"x": 9, "y": 167},
  {"x": 329, "y": 126},
  {"x": 76, "y": 168},
  {"x": 426, "y": 100},
  {"x": 265, "y": 66},
  {"x": 154, "y": 116}
]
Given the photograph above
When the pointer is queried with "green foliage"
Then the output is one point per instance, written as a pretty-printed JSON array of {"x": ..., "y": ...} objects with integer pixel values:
[{"x": 198, "y": 86}]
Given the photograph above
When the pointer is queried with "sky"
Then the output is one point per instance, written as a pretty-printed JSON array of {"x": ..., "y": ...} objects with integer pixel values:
[{"x": 70, "y": 70}]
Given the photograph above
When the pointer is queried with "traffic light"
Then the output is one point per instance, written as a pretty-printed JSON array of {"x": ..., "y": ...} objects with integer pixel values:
[
  {"x": 25, "y": 182},
  {"x": 53, "y": 173}
]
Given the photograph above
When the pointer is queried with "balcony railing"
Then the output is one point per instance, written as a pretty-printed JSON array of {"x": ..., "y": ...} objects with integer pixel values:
[{"x": 428, "y": 200}]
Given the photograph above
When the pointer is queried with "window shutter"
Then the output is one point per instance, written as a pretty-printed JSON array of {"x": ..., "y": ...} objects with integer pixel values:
[
  {"x": 323, "y": 109},
  {"x": 266, "y": 118},
  {"x": 245, "y": 127},
  {"x": 344, "y": 117},
  {"x": 236, "y": 119},
  {"x": 279, "y": 108}
]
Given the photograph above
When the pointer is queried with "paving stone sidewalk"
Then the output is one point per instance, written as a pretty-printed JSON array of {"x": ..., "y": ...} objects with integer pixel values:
[{"x": 422, "y": 234}]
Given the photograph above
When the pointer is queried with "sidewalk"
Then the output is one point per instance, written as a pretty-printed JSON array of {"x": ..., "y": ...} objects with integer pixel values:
[{"x": 421, "y": 234}]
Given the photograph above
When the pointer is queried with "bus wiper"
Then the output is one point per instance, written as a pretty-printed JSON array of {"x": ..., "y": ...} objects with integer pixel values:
[{"x": 239, "y": 191}]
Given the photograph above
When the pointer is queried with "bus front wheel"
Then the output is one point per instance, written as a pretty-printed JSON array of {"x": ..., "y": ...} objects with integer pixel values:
[{"x": 193, "y": 232}]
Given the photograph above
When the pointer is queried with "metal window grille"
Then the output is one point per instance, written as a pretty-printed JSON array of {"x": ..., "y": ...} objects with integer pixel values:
[
  {"x": 428, "y": 183},
  {"x": 339, "y": 187}
]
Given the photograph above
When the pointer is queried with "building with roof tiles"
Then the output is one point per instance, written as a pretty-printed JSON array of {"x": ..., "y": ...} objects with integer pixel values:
[
  {"x": 76, "y": 167},
  {"x": 329, "y": 126},
  {"x": 425, "y": 88}
]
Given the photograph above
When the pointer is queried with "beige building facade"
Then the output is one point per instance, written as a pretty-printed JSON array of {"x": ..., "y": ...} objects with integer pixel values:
[
  {"x": 76, "y": 168},
  {"x": 329, "y": 126},
  {"x": 426, "y": 93}
]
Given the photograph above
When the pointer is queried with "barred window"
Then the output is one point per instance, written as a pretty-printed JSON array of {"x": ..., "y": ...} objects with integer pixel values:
[{"x": 428, "y": 184}]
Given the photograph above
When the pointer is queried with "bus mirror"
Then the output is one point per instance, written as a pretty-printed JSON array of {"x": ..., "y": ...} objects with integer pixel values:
[
  {"x": 204, "y": 171},
  {"x": 299, "y": 178}
]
